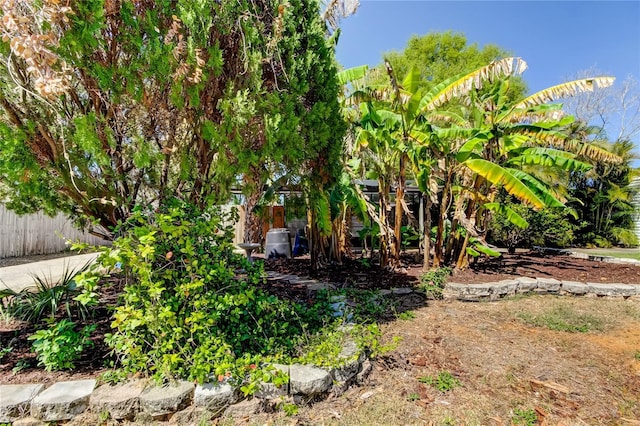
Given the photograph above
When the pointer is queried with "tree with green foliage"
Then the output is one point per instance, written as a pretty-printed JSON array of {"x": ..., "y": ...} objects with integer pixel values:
[
  {"x": 603, "y": 199},
  {"x": 107, "y": 106},
  {"x": 487, "y": 142}
]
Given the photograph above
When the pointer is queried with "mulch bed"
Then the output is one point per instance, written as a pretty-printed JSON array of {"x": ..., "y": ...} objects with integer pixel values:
[
  {"x": 539, "y": 265},
  {"x": 355, "y": 274}
]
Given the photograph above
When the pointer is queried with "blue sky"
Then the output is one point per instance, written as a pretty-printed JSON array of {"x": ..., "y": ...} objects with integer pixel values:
[{"x": 558, "y": 39}]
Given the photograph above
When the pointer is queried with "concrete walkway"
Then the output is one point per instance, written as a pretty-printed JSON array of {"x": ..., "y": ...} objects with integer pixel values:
[{"x": 19, "y": 277}]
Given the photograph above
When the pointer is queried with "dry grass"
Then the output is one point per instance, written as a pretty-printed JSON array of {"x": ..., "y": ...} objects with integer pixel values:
[{"x": 495, "y": 355}]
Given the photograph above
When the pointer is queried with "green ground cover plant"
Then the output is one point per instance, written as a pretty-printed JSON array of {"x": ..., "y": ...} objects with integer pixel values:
[
  {"x": 564, "y": 318},
  {"x": 59, "y": 345},
  {"x": 433, "y": 282},
  {"x": 444, "y": 381},
  {"x": 191, "y": 307}
]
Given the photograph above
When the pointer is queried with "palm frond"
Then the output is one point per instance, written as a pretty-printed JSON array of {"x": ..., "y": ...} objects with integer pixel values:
[
  {"x": 462, "y": 84},
  {"x": 565, "y": 90},
  {"x": 335, "y": 10}
]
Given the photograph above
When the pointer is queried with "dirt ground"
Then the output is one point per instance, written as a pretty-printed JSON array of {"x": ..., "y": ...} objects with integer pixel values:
[
  {"x": 357, "y": 273},
  {"x": 506, "y": 363}
]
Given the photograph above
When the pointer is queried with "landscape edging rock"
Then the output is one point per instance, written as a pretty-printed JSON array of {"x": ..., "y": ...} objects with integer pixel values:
[
  {"x": 207, "y": 399},
  {"x": 524, "y": 285}
]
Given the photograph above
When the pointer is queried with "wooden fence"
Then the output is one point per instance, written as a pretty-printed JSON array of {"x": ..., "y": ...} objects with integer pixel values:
[{"x": 37, "y": 234}]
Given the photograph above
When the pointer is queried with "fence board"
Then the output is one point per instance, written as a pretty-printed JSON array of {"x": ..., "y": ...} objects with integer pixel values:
[{"x": 38, "y": 234}]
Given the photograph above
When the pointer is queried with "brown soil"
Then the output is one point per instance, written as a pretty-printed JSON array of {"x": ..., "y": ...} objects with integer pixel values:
[
  {"x": 560, "y": 267},
  {"x": 496, "y": 356},
  {"x": 355, "y": 273},
  {"x": 589, "y": 378}
]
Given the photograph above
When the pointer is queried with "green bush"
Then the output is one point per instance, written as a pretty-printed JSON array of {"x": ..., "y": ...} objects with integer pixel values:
[
  {"x": 549, "y": 227},
  {"x": 433, "y": 282},
  {"x": 59, "y": 346},
  {"x": 190, "y": 307}
]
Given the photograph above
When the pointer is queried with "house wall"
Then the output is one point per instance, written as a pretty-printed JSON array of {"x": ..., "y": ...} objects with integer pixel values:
[{"x": 635, "y": 185}]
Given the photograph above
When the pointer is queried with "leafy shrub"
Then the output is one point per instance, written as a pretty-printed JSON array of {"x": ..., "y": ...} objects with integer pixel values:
[
  {"x": 433, "y": 282},
  {"x": 324, "y": 348},
  {"x": 60, "y": 345},
  {"x": 190, "y": 307},
  {"x": 549, "y": 227}
]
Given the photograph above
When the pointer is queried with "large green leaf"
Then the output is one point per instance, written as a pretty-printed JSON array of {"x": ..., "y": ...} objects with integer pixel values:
[
  {"x": 486, "y": 250},
  {"x": 352, "y": 74},
  {"x": 412, "y": 80},
  {"x": 547, "y": 157},
  {"x": 507, "y": 212},
  {"x": 538, "y": 187},
  {"x": 499, "y": 176}
]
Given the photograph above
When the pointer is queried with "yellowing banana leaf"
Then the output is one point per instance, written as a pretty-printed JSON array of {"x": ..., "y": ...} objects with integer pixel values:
[
  {"x": 564, "y": 90},
  {"x": 462, "y": 84},
  {"x": 499, "y": 176}
]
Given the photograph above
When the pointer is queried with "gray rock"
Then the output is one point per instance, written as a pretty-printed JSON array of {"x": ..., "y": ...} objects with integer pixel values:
[
  {"x": 401, "y": 291},
  {"x": 320, "y": 286},
  {"x": 15, "y": 401},
  {"x": 162, "y": 400},
  {"x": 505, "y": 288},
  {"x": 62, "y": 401},
  {"x": 194, "y": 416},
  {"x": 29, "y": 421},
  {"x": 122, "y": 401},
  {"x": 308, "y": 380},
  {"x": 245, "y": 408},
  {"x": 351, "y": 357},
  {"x": 214, "y": 396},
  {"x": 270, "y": 390},
  {"x": 366, "y": 369},
  {"x": 574, "y": 287},
  {"x": 526, "y": 284},
  {"x": 611, "y": 289},
  {"x": 477, "y": 291},
  {"x": 579, "y": 255},
  {"x": 548, "y": 285}
]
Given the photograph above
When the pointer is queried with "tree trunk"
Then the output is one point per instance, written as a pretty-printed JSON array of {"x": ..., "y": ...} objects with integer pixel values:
[
  {"x": 252, "y": 221},
  {"x": 397, "y": 229},
  {"x": 438, "y": 257},
  {"x": 384, "y": 234},
  {"x": 427, "y": 233}
]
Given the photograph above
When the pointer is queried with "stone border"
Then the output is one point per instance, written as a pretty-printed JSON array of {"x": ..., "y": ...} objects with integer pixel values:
[
  {"x": 526, "y": 285},
  {"x": 182, "y": 402}
]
